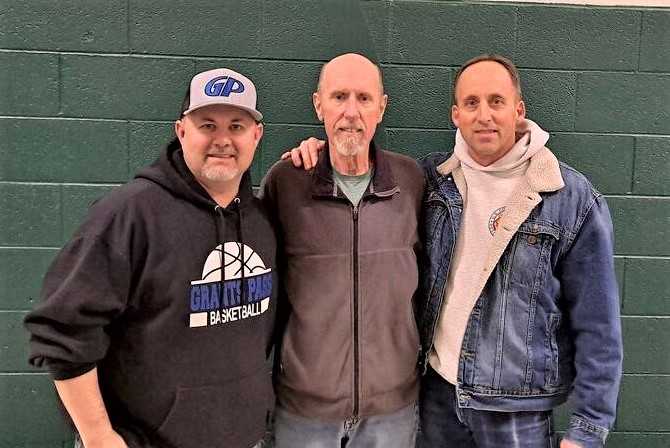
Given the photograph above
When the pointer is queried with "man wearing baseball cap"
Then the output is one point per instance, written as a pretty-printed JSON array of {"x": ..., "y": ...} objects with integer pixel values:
[{"x": 157, "y": 316}]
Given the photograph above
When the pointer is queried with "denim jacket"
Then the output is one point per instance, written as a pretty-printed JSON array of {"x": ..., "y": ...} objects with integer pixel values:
[{"x": 546, "y": 321}]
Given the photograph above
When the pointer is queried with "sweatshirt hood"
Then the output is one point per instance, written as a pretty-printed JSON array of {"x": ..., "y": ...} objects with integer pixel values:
[
  {"x": 171, "y": 172},
  {"x": 530, "y": 139}
]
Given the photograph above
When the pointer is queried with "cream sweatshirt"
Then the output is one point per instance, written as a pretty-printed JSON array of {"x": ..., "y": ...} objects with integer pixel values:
[{"x": 485, "y": 194}]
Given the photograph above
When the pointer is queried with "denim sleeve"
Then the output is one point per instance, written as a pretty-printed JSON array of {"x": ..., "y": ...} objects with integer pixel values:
[{"x": 590, "y": 291}]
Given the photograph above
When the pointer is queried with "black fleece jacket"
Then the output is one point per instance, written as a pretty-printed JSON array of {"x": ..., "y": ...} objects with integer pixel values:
[{"x": 181, "y": 350}]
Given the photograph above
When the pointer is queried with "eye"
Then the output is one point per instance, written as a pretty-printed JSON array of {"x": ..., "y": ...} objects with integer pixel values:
[
  {"x": 208, "y": 126},
  {"x": 364, "y": 98},
  {"x": 236, "y": 127},
  {"x": 470, "y": 103}
]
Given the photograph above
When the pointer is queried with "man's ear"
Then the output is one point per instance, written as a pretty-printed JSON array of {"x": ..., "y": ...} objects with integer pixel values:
[
  {"x": 179, "y": 129},
  {"x": 384, "y": 102},
  {"x": 316, "y": 100},
  {"x": 454, "y": 115},
  {"x": 521, "y": 110},
  {"x": 258, "y": 133}
]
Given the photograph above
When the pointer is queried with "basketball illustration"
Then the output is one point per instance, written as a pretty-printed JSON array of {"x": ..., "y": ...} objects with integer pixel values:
[{"x": 231, "y": 254}]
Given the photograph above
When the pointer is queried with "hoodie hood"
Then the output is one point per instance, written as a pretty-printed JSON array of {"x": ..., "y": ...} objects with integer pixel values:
[{"x": 171, "y": 172}]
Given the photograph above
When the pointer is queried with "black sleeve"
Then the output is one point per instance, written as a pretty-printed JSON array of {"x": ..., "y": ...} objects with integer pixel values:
[{"x": 85, "y": 289}]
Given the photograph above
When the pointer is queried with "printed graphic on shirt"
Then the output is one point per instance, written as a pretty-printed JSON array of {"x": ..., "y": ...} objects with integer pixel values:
[
  {"x": 494, "y": 220},
  {"x": 213, "y": 302}
]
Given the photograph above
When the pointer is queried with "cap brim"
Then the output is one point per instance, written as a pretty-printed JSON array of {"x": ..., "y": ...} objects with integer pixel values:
[{"x": 253, "y": 112}]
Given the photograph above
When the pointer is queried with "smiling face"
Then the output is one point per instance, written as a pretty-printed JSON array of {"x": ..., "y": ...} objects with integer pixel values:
[
  {"x": 350, "y": 102},
  {"x": 487, "y": 110},
  {"x": 219, "y": 142}
]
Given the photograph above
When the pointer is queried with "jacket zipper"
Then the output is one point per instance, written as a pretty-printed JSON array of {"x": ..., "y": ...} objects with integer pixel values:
[{"x": 355, "y": 304}]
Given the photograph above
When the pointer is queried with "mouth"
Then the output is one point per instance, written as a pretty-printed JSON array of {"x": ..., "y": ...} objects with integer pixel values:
[
  {"x": 486, "y": 132},
  {"x": 222, "y": 155},
  {"x": 350, "y": 130}
]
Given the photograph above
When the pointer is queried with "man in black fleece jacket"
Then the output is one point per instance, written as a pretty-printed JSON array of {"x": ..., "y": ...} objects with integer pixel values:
[{"x": 157, "y": 317}]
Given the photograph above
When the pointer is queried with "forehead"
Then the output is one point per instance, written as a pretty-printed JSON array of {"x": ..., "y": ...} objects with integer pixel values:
[
  {"x": 221, "y": 112},
  {"x": 351, "y": 74},
  {"x": 485, "y": 78}
]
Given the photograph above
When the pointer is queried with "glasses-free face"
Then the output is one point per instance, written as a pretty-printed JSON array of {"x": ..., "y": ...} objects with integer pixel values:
[
  {"x": 219, "y": 143},
  {"x": 487, "y": 110},
  {"x": 350, "y": 102}
]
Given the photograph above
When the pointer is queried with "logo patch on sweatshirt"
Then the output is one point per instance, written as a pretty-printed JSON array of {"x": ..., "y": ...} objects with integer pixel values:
[
  {"x": 494, "y": 220},
  {"x": 215, "y": 302}
]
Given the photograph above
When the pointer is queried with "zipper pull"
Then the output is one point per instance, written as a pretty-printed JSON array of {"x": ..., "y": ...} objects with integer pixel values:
[{"x": 355, "y": 212}]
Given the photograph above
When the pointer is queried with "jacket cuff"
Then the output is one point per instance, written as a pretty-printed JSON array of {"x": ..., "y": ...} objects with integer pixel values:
[
  {"x": 586, "y": 434},
  {"x": 65, "y": 373}
]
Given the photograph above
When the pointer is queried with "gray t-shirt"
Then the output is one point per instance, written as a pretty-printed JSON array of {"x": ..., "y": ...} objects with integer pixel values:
[{"x": 353, "y": 187}]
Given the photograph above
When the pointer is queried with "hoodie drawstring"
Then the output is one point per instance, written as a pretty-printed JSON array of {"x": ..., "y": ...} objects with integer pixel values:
[{"x": 220, "y": 236}]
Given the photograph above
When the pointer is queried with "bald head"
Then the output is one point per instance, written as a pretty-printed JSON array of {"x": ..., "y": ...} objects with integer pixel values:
[
  {"x": 350, "y": 102},
  {"x": 350, "y": 61}
]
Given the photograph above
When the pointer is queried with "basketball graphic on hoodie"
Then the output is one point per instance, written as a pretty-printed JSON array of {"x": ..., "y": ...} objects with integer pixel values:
[{"x": 242, "y": 292}]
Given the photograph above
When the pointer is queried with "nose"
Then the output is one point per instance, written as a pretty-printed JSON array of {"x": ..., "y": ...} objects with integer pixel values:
[
  {"x": 222, "y": 138},
  {"x": 351, "y": 108},
  {"x": 484, "y": 113}
]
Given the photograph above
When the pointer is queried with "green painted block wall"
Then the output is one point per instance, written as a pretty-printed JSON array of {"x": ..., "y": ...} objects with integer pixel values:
[{"x": 89, "y": 89}]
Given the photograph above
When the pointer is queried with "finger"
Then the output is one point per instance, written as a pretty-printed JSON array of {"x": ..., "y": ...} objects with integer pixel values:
[
  {"x": 286, "y": 155},
  {"x": 295, "y": 157}
]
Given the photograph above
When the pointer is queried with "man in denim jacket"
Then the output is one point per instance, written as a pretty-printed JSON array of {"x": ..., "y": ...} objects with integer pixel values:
[{"x": 521, "y": 306}]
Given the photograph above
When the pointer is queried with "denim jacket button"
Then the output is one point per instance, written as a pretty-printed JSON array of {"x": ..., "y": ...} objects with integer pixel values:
[{"x": 532, "y": 239}]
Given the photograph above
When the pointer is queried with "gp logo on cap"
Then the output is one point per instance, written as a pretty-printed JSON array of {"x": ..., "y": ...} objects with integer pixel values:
[{"x": 218, "y": 87}]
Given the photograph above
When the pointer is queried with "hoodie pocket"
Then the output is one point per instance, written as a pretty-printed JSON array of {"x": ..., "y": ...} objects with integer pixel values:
[{"x": 231, "y": 414}]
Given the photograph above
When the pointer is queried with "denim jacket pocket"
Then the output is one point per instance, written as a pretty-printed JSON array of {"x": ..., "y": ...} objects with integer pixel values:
[{"x": 551, "y": 376}]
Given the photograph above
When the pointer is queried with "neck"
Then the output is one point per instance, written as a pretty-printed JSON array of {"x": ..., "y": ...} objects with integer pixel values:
[{"x": 350, "y": 165}]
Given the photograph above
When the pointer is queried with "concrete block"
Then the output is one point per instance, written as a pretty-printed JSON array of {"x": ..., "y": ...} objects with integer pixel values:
[
  {"x": 606, "y": 160},
  {"x": 643, "y": 402},
  {"x": 655, "y": 41},
  {"x": 640, "y": 225},
  {"x": 57, "y": 150},
  {"x": 646, "y": 344},
  {"x": 652, "y": 166},
  {"x": 125, "y": 87},
  {"x": 308, "y": 30},
  {"x": 418, "y": 143},
  {"x": 647, "y": 287},
  {"x": 572, "y": 38},
  {"x": 623, "y": 102},
  {"x": 14, "y": 346},
  {"x": 28, "y": 84},
  {"x": 65, "y": 25},
  {"x": 196, "y": 27},
  {"x": 418, "y": 97},
  {"x": 27, "y": 401},
  {"x": 21, "y": 273},
  {"x": 146, "y": 142},
  {"x": 31, "y": 215},
  {"x": 550, "y": 98},
  {"x": 446, "y": 33}
]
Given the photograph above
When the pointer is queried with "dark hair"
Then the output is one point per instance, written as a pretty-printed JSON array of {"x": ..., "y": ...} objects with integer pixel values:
[
  {"x": 174, "y": 143},
  {"x": 502, "y": 60}
]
